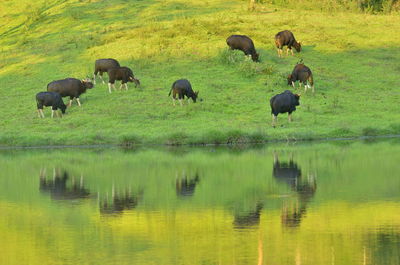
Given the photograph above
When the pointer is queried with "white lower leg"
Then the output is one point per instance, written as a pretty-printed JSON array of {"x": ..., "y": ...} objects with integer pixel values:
[
  {"x": 38, "y": 112},
  {"x": 102, "y": 80},
  {"x": 274, "y": 118},
  {"x": 94, "y": 79},
  {"x": 293, "y": 84},
  {"x": 120, "y": 87},
  {"x": 126, "y": 86},
  {"x": 180, "y": 102},
  {"x": 41, "y": 112},
  {"x": 109, "y": 87},
  {"x": 290, "y": 117},
  {"x": 173, "y": 100},
  {"x": 79, "y": 102},
  {"x": 52, "y": 113}
]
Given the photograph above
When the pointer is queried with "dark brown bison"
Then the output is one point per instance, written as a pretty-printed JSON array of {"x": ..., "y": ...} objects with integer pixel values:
[
  {"x": 103, "y": 65},
  {"x": 243, "y": 43},
  {"x": 183, "y": 88},
  {"x": 286, "y": 38},
  {"x": 282, "y": 103},
  {"x": 123, "y": 74},
  {"x": 70, "y": 87},
  {"x": 303, "y": 74}
]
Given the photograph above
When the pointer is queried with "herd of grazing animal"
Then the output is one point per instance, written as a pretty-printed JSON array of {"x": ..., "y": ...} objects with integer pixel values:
[{"x": 285, "y": 102}]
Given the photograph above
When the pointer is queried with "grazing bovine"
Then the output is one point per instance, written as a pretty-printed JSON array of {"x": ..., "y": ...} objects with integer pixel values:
[
  {"x": 103, "y": 65},
  {"x": 48, "y": 99},
  {"x": 303, "y": 74},
  {"x": 284, "y": 102},
  {"x": 243, "y": 43},
  {"x": 286, "y": 38},
  {"x": 123, "y": 74},
  {"x": 70, "y": 87},
  {"x": 183, "y": 88}
]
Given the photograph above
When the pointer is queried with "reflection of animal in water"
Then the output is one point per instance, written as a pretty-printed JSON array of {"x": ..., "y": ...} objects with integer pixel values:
[
  {"x": 185, "y": 187},
  {"x": 58, "y": 188},
  {"x": 290, "y": 173},
  {"x": 119, "y": 203},
  {"x": 248, "y": 220}
]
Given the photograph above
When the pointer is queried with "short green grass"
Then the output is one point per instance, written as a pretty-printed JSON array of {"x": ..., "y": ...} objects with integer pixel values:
[{"x": 354, "y": 58}]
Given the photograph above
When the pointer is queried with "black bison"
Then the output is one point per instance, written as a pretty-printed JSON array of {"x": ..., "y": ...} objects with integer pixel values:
[
  {"x": 70, "y": 87},
  {"x": 103, "y": 65},
  {"x": 303, "y": 74},
  {"x": 48, "y": 99},
  {"x": 284, "y": 102},
  {"x": 123, "y": 74},
  {"x": 286, "y": 38},
  {"x": 183, "y": 88},
  {"x": 243, "y": 43}
]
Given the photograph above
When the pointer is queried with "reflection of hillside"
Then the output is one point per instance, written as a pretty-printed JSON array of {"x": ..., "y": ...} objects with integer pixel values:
[
  {"x": 305, "y": 188},
  {"x": 58, "y": 187},
  {"x": 119, "y": 203},
  {"x": 185, "y": 187},
  {"x": 248, "y": 220}
]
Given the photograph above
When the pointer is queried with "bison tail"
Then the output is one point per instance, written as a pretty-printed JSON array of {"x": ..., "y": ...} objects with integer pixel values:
[{"x": 169, "y": 94}]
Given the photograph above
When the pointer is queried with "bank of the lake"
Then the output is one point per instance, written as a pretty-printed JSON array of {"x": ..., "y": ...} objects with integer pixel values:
[{"x": 353, "y": 57}]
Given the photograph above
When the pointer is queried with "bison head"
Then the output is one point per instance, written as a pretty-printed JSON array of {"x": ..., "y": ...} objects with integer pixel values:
[
  {"x": 255, "y": 57},
  {"x": 194, "y": 96},
  {"x": 87, "y": 83},
  {"x": 297, "y": 46},
  {"x": 297, "y": 99},
  {"x": 134, "y": 80},
  {"x": 63, "y": 107},
  {"x": 289, "y": 80}
]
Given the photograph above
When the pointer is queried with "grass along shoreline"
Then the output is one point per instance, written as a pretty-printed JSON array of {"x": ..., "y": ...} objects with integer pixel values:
[{"x": 353, "y": 57}]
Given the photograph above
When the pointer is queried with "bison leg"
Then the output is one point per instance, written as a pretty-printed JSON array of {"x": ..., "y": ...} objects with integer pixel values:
[
  {"x": 52, "y": 113},
  {"x": 290, "y": 117},
  {"x": 120, "y": 87},
  {"x": 38, "y": 112},
  {"x": 94, "y": 78},
  {"x": 109, "y": 87},
  {"x": 101, "y": 77},
  {"x": 287, "y": 51},
  {"x": 79, "y": 102},
  {"x": 126, "y": 86},
  {"x": 293, "y": 84},
  {"x": 274, "y": 120},
  {"x": 292, "y": 52},
  {"x": 300, "y": 84},
  {"x": 41, "y": 112}
]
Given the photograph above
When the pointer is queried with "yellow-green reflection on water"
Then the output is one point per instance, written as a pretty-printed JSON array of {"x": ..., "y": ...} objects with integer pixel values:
[{"x": 326, "y": 203}]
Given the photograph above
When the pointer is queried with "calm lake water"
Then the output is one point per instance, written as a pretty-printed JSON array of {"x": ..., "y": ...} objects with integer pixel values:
[{"x": 317, "y": 204}]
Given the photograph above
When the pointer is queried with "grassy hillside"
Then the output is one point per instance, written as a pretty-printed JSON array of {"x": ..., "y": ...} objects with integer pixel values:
[{"x": 354, "y": 58}]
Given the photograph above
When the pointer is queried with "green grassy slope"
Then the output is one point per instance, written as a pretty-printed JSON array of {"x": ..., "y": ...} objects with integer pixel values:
[{"x": 354, "y": 58}]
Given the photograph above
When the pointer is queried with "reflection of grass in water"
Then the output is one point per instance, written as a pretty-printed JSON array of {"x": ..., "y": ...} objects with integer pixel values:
[{"x": 355, "y": 72}]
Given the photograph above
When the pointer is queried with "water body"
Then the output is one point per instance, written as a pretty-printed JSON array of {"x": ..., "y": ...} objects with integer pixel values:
[{"x": 320, "y": 203}]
